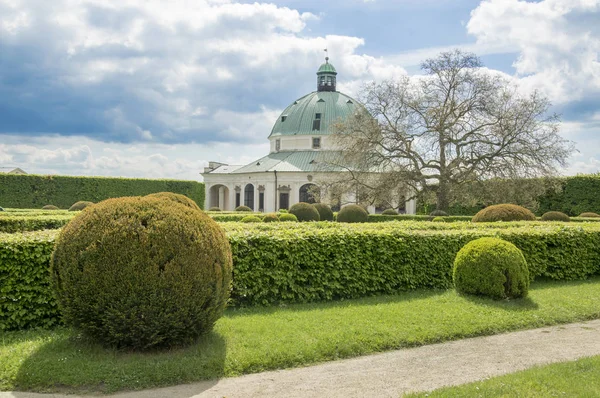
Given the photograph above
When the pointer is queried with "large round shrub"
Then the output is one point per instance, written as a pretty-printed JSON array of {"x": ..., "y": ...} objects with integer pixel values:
[
  {"x": 504, "y": 212},
  {"x": 491, "y": 267},
  {"x": 50, "y": 207},
  {"x": 589, "y": 214},
  {"x": 270, "y": 217},
  {"x": 352, "y": 213},
  {"x": 243, "y": 208},
  {"x": 142, "y": 272},
  {"x": 305, "y": 212},
  {"x": 325, "y": 212},
  {"x": 175, "y": 197},
  {"x": 390, "y": 212},
  {"x": 438, "y": 213},
  {"x": 555, "y": 216},
  {"x": 82, "y": 204},
  {"x": 214, "y": 209},
  {"x": 287, "y": 217},
  {"x": 250, "y": 219}
]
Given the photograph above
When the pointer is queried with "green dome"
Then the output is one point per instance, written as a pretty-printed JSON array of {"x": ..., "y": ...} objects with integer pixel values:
[
  {"x": 299, "y": 117},
  {"x": 326, "y": 68}
]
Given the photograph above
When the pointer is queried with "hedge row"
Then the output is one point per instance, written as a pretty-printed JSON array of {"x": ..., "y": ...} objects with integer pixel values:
[
  {"x": 33, "y": 223},
  {"x": 303, "y": 262},
  {"x": 35, "y": 191}
]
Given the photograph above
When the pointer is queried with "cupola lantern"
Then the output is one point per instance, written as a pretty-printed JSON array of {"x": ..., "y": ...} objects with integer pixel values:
[{"x": 326, "y": 77}]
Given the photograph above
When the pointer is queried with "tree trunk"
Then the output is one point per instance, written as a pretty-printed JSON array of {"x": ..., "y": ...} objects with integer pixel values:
[{"x": 443, "y": 196}]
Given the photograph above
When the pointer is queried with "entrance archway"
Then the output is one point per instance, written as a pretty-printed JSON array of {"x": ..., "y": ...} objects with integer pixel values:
[{"x": 219, "y": 197}]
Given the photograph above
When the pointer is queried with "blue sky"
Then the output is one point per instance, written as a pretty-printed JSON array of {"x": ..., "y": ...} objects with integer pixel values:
[{"x": 151, "y": 88}]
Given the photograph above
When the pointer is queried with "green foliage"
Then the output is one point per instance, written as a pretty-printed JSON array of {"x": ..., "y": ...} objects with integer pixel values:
[
  {"x": 78, "y": 206},
  {"x": 229, "y": 217},
  {"x": 50, "y": 207},
  {"x": 439, "y": 219},
  {"x": 215, "y": 209},
  {"x": 282, "y": 211},
  {"x": 352, "y": 214},
  {"x": 412, "y": 217},
  {"x": 141, "y": 272},
  {"x": 578, "y": 194},
  {"x": 250, "y": 219},
  {"x": 438, "y": 213},
  {"x": 34, "y": 191},
  {"x": 21, "y": 223},
  {"x": 288, "y": 217},
  {"x": 26, "y": 299},
  {"x": 555, "y": 216},
  {"x": 175, "y": 197},
  {"x": 271, "y": 217},
  {"x": 389, "y": 212},
  {"x": 491, "y": 267},
  {"x": 590, "y": 215},
  {"x": 324, "y": 210},
  {"x": 504, "y": 212},
  {"x": 305, "y": 212},
  {"x": 243, "y": 208}
]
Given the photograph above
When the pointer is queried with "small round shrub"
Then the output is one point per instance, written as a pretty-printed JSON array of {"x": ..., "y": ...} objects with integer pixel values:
[
  {"x": 141, "y": 272},
  {"x": 325, "y": 213},
  {"x": 50, "y": 207},
  {"x": 491, "y": 267},
  {"x": 287, "y": 217},
  {"x": 438, "y": 219},
  {"x": 504, "y": 212},
  {"x": 589, "y": 214},
  {"x": 352, "y": 213},
  {"x": 249, "y": 219},
  {"x": 390, "y": 212},
  {"x": 175, "y": 197},
  {"x": 555, "y": 216},
  {"x": 283, "y": 211},
  {"x": 438, "y": 213},
  {"x": 214, "y": 209},
  {"x": 77, "y": 206},
  {"x": 243, "y": 208},
  {"x": 305, "y": 212},
  {"x": 270, "y": 217}
]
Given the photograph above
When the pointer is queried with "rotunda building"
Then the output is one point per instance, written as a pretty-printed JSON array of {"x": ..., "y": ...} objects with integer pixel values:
[{"x": 290, "y": 173}]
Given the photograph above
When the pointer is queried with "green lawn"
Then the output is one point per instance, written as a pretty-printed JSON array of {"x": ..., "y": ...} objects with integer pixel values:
[
  {"x": 257, "y": 339},
  {"x": 579, "y": 378}
]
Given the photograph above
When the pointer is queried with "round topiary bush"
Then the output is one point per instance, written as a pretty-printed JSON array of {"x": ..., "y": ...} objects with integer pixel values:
[
  {"x": 243, "y": 208},
  {"x": 270, "y": 217},
  {"x": 438, "y": 213},
  {"x": 214, "y": 209},
  {"x": 305, "y": 212},
  {"x": 287, "y": 217},
  {"x": 438, "y": 219},
  {"x": 390, "y": 212},
  {"x": 50, "y": 207},
  {"x": 283, "y": 211},
  {"x": 77, "y": 206},
  {"x": 589, "y": 214},
  {"x": 249, "y": 219},
  {"x": 555, "y": 216},
  {"x": 141, "y": 272},
  {"x": 491, "y": 267},
  {"x": 175, "y": 197},
  {"x": 504, "y": 212},
  {"x": 325, "y": 213},
  {"x": 352, "y": 213}
]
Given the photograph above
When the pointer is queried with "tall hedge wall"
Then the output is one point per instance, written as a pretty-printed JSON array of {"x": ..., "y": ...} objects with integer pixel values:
[
  {"x": 302, "y": 262},
  {"x": 35, "y": 191}
]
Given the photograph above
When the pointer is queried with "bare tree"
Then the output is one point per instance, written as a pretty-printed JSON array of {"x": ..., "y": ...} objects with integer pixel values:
[{"x": 455, "y": 124}]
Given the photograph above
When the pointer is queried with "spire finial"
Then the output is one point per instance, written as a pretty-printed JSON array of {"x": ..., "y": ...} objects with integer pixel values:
[{"x": 326, "y": 56}]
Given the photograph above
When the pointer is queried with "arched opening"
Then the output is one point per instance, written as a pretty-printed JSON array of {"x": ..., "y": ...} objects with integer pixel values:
[
  {"x": 218, "y": 197},
  {"x": 309, "y": 193},
  {"x": 249, "y": 196}
]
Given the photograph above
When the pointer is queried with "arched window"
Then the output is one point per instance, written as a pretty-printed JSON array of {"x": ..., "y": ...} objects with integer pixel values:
[
  {"x": 249, "y": 196},
  {"x": 309, "y": 193}
]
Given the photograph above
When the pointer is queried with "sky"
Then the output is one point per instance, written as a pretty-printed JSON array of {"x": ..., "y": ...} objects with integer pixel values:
[{"x": 157, "y": 88}]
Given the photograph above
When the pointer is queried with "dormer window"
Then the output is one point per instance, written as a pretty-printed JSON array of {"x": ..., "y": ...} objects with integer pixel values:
[
  {"x": 316, "y": 142},
  {"x": 317, "y": 122},
  {"x": 283, "y": 118}
]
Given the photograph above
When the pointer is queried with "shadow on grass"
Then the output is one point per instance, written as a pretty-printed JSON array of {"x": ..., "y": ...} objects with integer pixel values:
[
  {"x": 520, "y": 304},
  {"x": 401, "y": 296},
  {"x": 71, "y": 364},
  {"x": 541, "y": 283}
]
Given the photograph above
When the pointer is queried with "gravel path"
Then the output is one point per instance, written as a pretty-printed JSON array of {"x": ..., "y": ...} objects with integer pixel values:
[{"x": 392, "y": 373}]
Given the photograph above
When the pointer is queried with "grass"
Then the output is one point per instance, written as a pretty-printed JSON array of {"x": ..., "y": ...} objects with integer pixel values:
[
  {"x": 258, "y": 339},
  {"x": 579, "y": 378}
]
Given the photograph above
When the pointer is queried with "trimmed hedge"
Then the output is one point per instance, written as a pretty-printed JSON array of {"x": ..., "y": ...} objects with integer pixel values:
[
  {"x": 504, "y": 212},
  {"x": 243, "y": 208},
  {"x": 555, "y": 216},
  {"x": 19, "y": 223},
  {"x": 34, "y": 191},
  {"x": 82, "y": 204},
  {"x": 305, "y": 212},
  {"x": 176, "y": 198},
  {"x": 302, "y": 262},
  {"x": 325, "y": 212},
  {"x": 352, "y": 214},
  {"x": 251, "y": 219},
  {"x": 389, "y": 212},
  {"x": 590, "y": 215}
]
